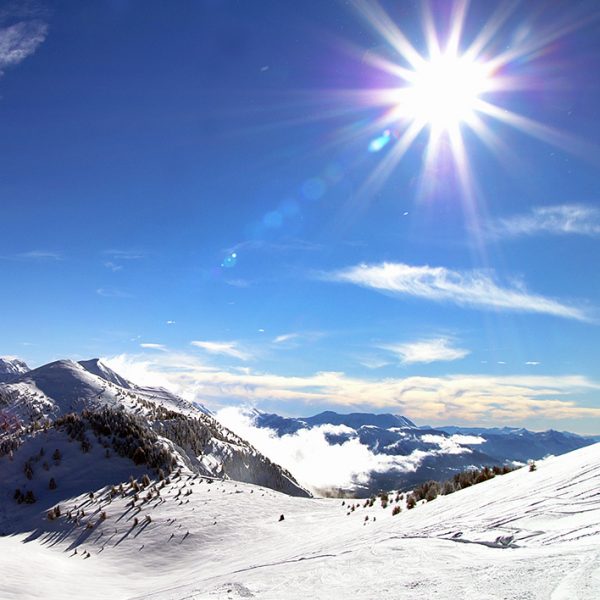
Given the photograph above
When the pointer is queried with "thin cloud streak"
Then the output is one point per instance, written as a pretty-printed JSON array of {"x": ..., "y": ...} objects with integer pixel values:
[
  {"x": 283, "y": 245},
  {"x": 112, "y": 293},
  {"x": 463, "y": 288},
  {"x": 294, "y": 338},
  {"x": 35, "y": 255},
  {"x": 152, "y": 346},
  {"x": 564, "y": 219},
  {"x": 125, "y": 254}
]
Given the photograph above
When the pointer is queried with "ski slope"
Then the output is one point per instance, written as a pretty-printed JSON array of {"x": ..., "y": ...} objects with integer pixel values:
[{"x": 525, "y": 535}]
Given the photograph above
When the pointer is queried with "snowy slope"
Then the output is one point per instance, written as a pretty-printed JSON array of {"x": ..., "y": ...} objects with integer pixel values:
[{"x": 529, "y": 535}]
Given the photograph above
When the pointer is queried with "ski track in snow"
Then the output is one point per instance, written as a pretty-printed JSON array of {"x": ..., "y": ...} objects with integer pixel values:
[{"x": 525, "y": 535}]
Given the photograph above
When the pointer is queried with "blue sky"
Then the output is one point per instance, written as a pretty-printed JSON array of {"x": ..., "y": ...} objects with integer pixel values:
[{"x": 212, "y": 197}]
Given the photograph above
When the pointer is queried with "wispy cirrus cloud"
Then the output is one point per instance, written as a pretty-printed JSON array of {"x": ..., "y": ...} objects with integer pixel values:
[
  {"x": 231, "y": 348},
  {"x": 116, "y": 257},
  {"x": 153, "y": 346},
  {"x": 464, "y": 288},
  {"x": 38, "y": 255},
  {"x": 426, "y": 351},
  {"x": 483, "y": 399},
  {"x": 294, "y": 338},
  {"x": 371, "y": 361},
  {"x": 125, "y": 254},
  {"x": 20, "y": 40},
  {"x": 286, "y": 337},
  {"x": 112, "y": 266},
  {"x": 283, "y": 245},
  {"x": 563, "y": 219},
  {"x": 110, "y": 292}
]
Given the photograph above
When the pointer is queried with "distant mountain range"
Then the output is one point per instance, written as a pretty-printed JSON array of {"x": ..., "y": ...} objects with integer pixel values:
[
  {"x": 420, "y": 453},
  {"x": 407, "y": 454}
]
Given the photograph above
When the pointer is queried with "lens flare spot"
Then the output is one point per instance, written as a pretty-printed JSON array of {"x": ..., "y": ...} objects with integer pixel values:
[
  {"x": 379, "y": 143},
  {"x": 289, "y": 207},
  {"x": 230, "y": 261},
  {"x": 314, "y": 188},
  {"x": 273, "y": 219}
]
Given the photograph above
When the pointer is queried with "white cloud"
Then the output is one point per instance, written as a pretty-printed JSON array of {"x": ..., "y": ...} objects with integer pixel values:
[
  {"x": 286, "y": 337},
  {"x": 533, "y": 362},
  {"x": 226, "y": 348},
  {"x": 426, "y": 351},
  {"x": 151, "y": 346},
  {"x": 480, "y": 399},
  {"x": 564, "y": 219},
  {"x": 20, "y": 40},
  {"x": 459, "y": 438},
  {"x": 452, "y": 444},
  {"x": 170, "y": 373},
  {"x": 464, "y": 288},
  {"x": 315, "y": 462}
]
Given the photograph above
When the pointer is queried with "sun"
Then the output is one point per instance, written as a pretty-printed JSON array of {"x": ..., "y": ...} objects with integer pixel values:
[
  {"x": 455, "y": 88},
  {"x": 444, "y": 91}
]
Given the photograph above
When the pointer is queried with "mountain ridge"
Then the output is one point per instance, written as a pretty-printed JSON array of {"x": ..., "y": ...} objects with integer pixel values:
[{"x": 66, "y": 397}]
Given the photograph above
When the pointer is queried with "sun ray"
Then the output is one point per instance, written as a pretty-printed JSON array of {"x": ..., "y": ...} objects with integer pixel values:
[
  {"x": 459, "y": 13},
  {"x": 491, "y": 28},
  {"x": 545, "y": 133},
  {"x": 381, "y": 22}
]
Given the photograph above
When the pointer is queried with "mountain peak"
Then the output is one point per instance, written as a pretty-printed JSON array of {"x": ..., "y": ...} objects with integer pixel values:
[
  {"x": 10, "y": 368},
  {"x": 355, "y": 420},
  {"x": 98, "y": 368}
]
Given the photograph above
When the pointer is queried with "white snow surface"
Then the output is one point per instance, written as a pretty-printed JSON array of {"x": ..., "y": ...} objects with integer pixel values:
[
  {"x": 525, "y": 535},
  {"x": 12, "y": 366}
]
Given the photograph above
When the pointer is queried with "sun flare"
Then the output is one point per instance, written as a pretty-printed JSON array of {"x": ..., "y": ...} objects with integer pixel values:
[{"x": 449, "y": 91}]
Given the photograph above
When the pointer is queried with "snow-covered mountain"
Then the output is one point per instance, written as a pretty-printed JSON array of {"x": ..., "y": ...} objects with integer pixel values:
[
  {"x": 430, "y": 453},
  {"x": 286, "y": 425},
  {"x": 521, "y": 535},
  {"x": 10, "y": 368},
  {"x": 87, "y": 402}
]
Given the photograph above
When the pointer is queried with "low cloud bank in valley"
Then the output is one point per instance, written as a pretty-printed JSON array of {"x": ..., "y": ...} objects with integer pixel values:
[{"x": 320, "y": 465}]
